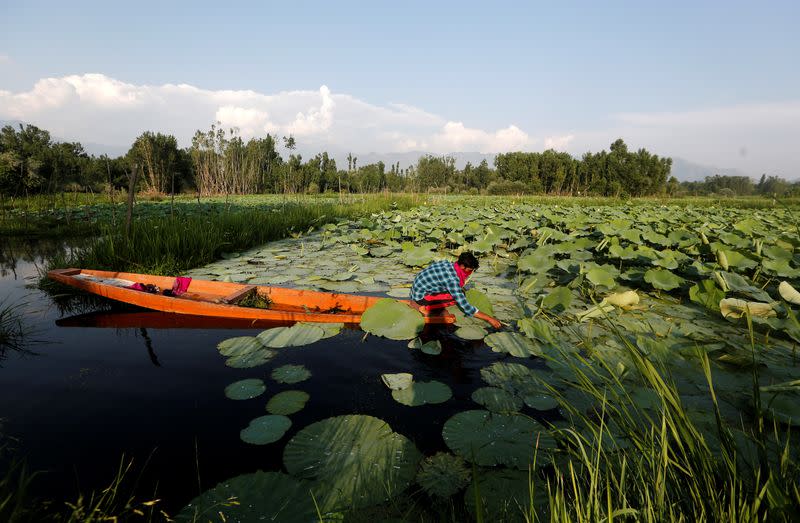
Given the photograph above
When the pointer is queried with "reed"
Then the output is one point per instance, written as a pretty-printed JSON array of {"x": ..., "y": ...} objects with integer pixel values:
[{"x": 624, "y": 462}]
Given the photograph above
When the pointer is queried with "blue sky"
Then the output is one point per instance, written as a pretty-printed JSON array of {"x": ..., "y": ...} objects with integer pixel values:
[{"x": 670, "y": 76}]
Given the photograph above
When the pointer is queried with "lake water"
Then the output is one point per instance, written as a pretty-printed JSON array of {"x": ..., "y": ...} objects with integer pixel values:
[{"x": 85, "y": 396}]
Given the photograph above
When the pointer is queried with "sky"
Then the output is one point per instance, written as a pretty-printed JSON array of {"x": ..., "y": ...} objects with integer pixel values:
[{"x": 716, "y": 83}]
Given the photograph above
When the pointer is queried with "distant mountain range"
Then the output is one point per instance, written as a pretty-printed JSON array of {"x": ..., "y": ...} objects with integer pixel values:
[{"x": 683, "y": 170}]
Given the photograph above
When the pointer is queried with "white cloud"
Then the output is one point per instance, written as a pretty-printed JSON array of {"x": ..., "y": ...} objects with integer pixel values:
[
  {"x": 559, "y": 143},
  {"x": 4, "y": 59},
  {"x": 455, "y": 137}
]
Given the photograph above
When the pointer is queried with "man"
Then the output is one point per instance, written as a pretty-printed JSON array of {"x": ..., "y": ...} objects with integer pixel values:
[{"x": 441, "y": 284}]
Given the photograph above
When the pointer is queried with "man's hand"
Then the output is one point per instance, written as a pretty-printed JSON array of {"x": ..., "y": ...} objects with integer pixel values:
[{"x": 485, "y": 317}]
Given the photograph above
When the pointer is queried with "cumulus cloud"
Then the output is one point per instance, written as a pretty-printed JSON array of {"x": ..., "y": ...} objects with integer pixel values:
[
  {"x": 559, "y": 143},
  {"x": 455, "y": 136}
]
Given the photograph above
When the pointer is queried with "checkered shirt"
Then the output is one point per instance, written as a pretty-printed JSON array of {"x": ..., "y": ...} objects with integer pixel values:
[{"x": 440, "y": 277}]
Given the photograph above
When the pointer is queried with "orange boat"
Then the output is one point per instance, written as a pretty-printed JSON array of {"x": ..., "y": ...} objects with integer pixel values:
[{"x": 219, "y": 299}]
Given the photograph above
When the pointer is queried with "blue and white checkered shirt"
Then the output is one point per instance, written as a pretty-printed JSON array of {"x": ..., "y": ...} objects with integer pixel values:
[{"x": 440, "y": 277}]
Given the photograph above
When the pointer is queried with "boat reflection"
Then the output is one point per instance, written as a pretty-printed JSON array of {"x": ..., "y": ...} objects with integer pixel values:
[{"x": 137, "y": 319}]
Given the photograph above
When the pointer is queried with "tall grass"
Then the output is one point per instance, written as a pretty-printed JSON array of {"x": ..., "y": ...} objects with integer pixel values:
[
  {"x": 173, "y": 245},
  {"x": 626, "y": 462},
  {"x": 13, "y": 331}
]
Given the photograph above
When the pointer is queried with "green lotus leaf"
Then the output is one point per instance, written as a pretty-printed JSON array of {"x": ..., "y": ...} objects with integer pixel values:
[
  {"x": 662, "y": 279},
  {"x": 443, "y": 475},
  {"x": 402, "y": 293},
  {"x": 290, "y": 374},
  {"x": 537, "y": 262},
  {"x": 287, "y": 402},
  {"x": 433, "y": 347},
  {"x": 782, "y": 402},
  {"x": 537, "y": 329},
  {"x": 260, "y": 496},
  {"x": 392, "y": 319},
  {"x": 777, "y": 253},
  {"x": 480, "y": 301},
  {"x": 514, "y": 344},
  {"x": 600, "y": 276},
  {"x": 398, "y": 381},
  {"x": 489, "y": 439},
  {"x": 505, "y": 495},
  {"x": 297, "y": 335},
  {"x": 252, "y": 359},
  {"x": 381, "y": 252},
  {"x": 265, "y": 429},
  {"x": 471, "y": 332},
  {"x": 239, "y": 345},
  {"x": 423, "y": 393},
  {"x": 418, "y": 256},
  {"x": 730, "y": 281},
  {"x": 738, "y": 260},
  {"x": 540, "y": 401},
  {"x": 781, "y": 268},
  {"x": 558, "y": 300},
  {"x": 513, "y": 377},
  {"x": 706, "y": 294},
  {"x": 329, "y": 329},
  {"x": 353, "y": 461},
  {"x": 497, "y": 400},
  {"x": 245, "y": 389}
]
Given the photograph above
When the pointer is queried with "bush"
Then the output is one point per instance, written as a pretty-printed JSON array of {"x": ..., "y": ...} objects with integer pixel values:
[{"x": 507, "y": 187}]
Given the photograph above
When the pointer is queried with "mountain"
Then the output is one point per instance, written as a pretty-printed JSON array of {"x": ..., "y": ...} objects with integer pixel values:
[{"x": 686, "y": 171}]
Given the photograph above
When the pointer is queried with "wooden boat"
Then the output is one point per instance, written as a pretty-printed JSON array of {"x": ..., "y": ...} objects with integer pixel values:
[{"x": 219, "y": 299}]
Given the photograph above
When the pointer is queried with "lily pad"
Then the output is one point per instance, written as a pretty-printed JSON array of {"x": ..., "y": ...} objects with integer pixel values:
[
  {"x": 239, "y": 345},
  {"x": 398, "y": 381},
  {"x": 433, "y": 347},
  {"x": 514, "y": 344},
  {"x": 260, "y": 496},
  {"x": 443, "y": 475},
  {"x": 480, "y": 301},
  {"x": 291, "y": 374},
  {"x": 490, "y": 439},
  {"x": 297, "y": 335},
  {"x": 423, "y": 393},
  {"x": 497, "y": 400},
  {"x": 505, "y": 495},
  {"x": 353, "y": 461},
  {"x": 392, "y": 319},
  {"x": 265, "y": 429},
  {"x": 245, "y": 389},
  {"x": 287, "y": 402},
  {"x": 471, "y": 332},
  {"x": 329, "y": 329},
  {"x": 662, "y": 279},
  {"x": 706, "y": 294},
  {"x": 558, "y": 299}
]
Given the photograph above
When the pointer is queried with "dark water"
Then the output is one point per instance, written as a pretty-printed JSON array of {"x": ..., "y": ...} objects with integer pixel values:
[{"x": 85, "y": 396}]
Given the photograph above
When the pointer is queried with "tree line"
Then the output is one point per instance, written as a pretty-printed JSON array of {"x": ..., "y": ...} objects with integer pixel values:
[{"x": 220, "y": 161}]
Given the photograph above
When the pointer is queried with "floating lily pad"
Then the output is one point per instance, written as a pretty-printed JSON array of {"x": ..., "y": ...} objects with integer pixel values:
[
  {"x": 480, "y": 301},
  {"x": 505, "y": 495},
  {"x": 513, "y": 343},
  {"x": 353, "y": 461},
  {"x": 260, "y": 496},
  {"x": 392, "y": 319},
  {"x": 245, "y": 389},
  {"x": 443, "y": 475},
  {"x": 471, "y": 332},
  {"x": 540, "y": 401},
  {"x": 291, "y": 374},
  {"x": 398, "y": 381},
  {"x": 287, "y": 402},
  {"x": 329, "y": 329},
  {"x": 423, "y": 393},
  {"x": 497, "y": 400},
  {"x": 491, "y": 439},
  {"x": 239, "y": 345},
  {"x": 558, "y": 299},
  {"x": 433, "y": 347},
  {"x": 252, "y": 359},
  {"x": 706, "y": 294},
  {"x": 295, "y": 336},
  {"x": 265, "y": 429},
  {"x": 662, "y": 279}
]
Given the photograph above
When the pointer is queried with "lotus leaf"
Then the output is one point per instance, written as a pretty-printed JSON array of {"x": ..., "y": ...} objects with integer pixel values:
[
  {"x": 245, "y": 389},
  {"x": 443, "y": 475},
  {"x": 433, "y": 347},
  {"x": 706, "y": 294},
  {"x": 250, "y": 359},
  {"x": 329, "y": 329},
  {"x": 397, "y": 381},
  {"x": 777, "y": 253},
  {"x": 506, "y": 496},
  {"x": 497, "y": 400},
  {"x": 418, "y": 256},
  {"x": 662, "y": 279},
  {"x": 600, "y": 276},
  {"x": 294, "y": 336},
  {"x": 730, "y": 281},
  {"x": 781, "y": 268},
  {"x": 789, "y": 293},
  {"x": 239, "y": 346},
  {"x": 353, "y": 461},
  {"x": 260, "y": 496},
  {"x": 471, "y": 332},
  {"x": 540, "y": 401},
  {"x": 490, "y": 439},
  {"x": 558, "y": 299},
  {"x": 287, "y": 402},
  {"x": 782, "y": 404},
  {"x": 537, "y": 262},
  {"x": 392, "y": 319},
  {"x": 265, "y": 429},
  {"x": 513, "y": 343},
  {"x": 736, "y": 308},
  {"x": 423, "y": 393},
  {"x": 291, "y": 374},
  {"x": 480, "y": 301},
  {"x": 537, "y": 329}
]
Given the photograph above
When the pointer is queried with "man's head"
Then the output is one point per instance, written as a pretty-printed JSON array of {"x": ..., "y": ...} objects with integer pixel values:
[{"x": 468, "y": 262}]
